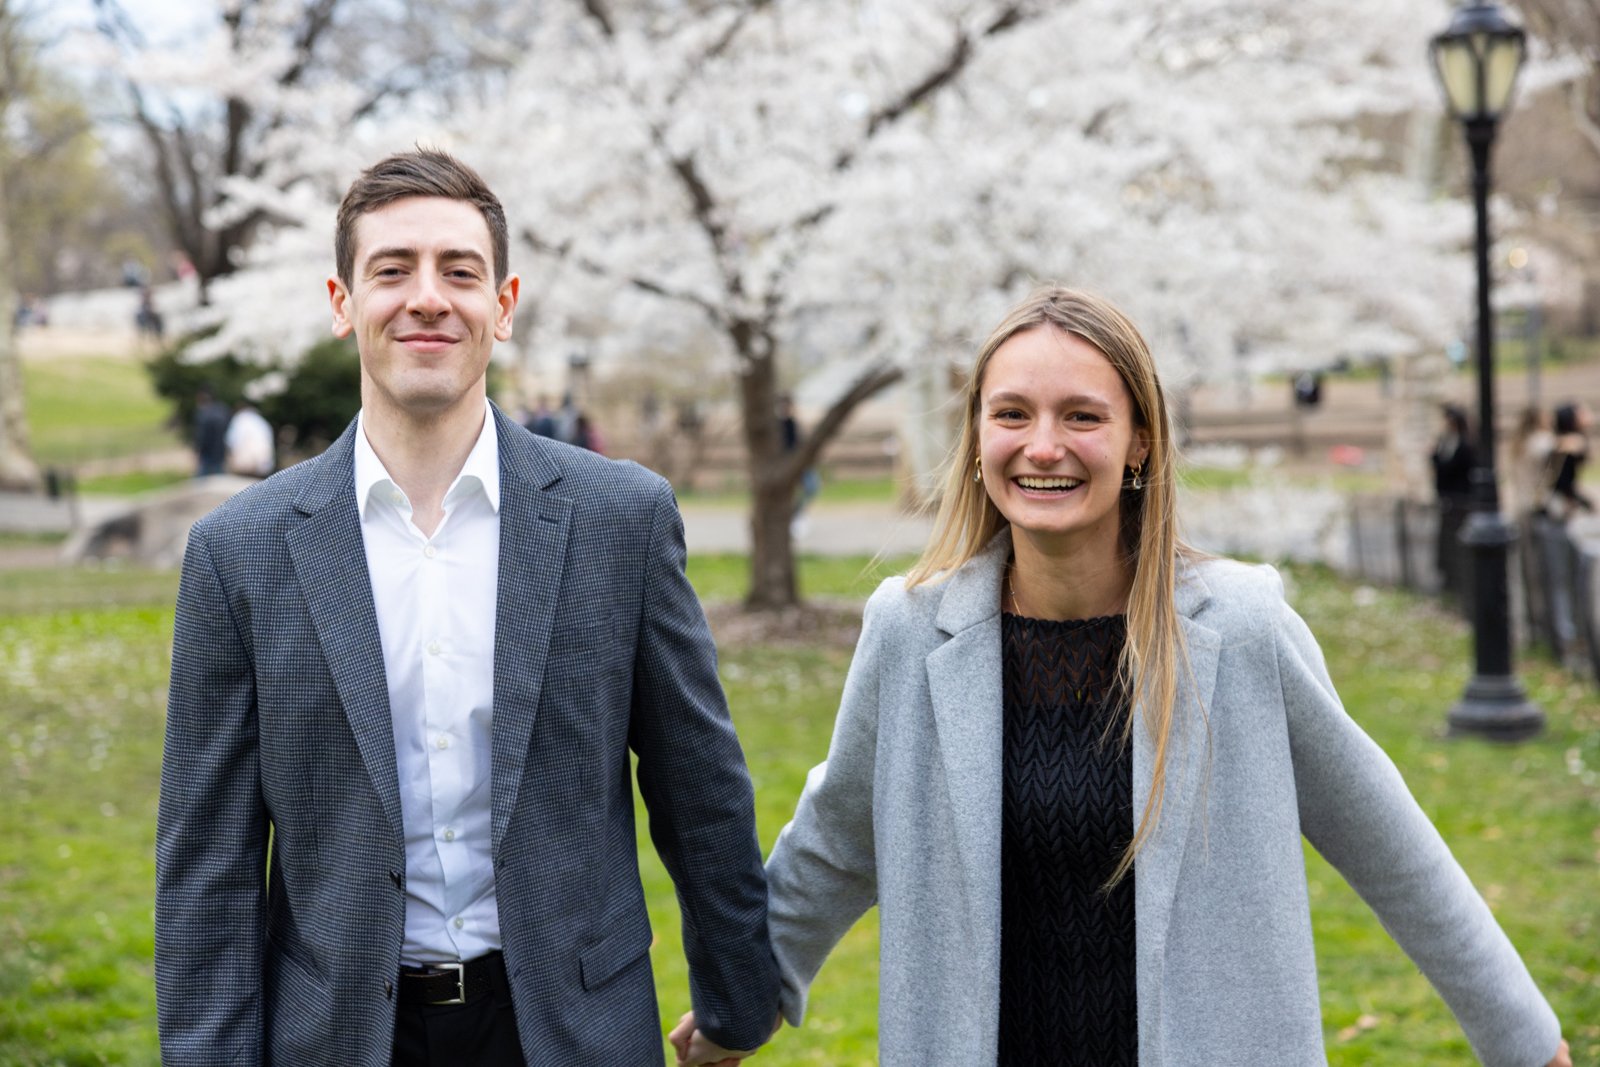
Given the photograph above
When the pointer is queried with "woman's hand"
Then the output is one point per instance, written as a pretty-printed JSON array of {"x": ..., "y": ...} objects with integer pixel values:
[
  {"x": 1563, "y": 1057},
  {"x": 697, "y": 1050}
]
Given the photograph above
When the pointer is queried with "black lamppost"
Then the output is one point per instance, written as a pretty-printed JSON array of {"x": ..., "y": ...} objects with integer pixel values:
[{"x": 1477, "y": 58}]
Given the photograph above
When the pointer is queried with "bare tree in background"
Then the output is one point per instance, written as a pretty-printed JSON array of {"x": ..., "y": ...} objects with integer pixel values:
[
  {"x": 196, "y": 151},
  {"x": 280, "y": 61},
  {"x": 17, "y": 467}
]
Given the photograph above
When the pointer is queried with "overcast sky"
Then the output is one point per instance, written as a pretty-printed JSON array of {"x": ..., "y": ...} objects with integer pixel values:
[{"x": 160, "y": 20}]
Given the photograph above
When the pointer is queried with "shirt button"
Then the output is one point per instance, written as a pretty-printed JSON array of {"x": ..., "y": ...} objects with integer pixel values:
[
  {"x": 460, "y": 923},
  {"x": 429, "y": 551},
  {"x": 443, "y": 742},
  {"x": 449, "y": 835},
  {"x": 433, "y": 648}
]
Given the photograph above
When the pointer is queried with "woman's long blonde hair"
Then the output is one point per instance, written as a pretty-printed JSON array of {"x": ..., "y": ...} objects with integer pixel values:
[{"x": 967, "y": 519}]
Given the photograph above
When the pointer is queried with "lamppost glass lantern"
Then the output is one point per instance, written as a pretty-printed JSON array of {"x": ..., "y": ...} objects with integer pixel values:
[{"x": 1477, "y": 58}]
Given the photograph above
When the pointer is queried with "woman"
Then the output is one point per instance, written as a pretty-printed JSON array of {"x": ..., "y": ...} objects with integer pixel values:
[
  {"x": 1453, "y": 459},
  {"x": 1570, "y": 453},
  {"x": 1531, "y": 448},
  {"x": 1074, "y": 760}
]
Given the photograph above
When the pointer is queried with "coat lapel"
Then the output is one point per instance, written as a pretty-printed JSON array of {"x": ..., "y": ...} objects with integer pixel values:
[
  {"x": 534, "y": 527},
  {"x": 1158, "y": 865},
  {"x": 330, "y": 562},
  {"x": 964, "y": 687}
]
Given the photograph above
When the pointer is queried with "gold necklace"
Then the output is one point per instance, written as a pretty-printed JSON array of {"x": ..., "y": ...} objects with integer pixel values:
[{"x": 1011, "y": 586}]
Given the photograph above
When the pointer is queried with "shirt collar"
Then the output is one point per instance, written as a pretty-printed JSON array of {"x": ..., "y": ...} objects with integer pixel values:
[{"x": 481, "y": 471}]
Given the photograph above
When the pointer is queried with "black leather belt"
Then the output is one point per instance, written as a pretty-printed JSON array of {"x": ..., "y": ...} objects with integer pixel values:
[{"x": 452, "y": 983}]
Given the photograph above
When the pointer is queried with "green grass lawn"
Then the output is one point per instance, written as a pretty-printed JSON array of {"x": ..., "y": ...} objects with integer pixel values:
[
  {"x": 83, "y": 408},
  {"x": 132, "y": 483},
  {"x": 83, "y": 665}
]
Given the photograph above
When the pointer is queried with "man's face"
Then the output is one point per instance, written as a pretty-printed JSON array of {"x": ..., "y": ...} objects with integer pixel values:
[{"x": 423, "y": 306}]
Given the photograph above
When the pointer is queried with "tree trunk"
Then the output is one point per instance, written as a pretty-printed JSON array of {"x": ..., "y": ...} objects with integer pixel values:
[
  {"x": 775, "y": 474},
  {"x": 772, "y": 484},
  {"x": 773, "y": 582},
  {"x": 17, "y": 467}
]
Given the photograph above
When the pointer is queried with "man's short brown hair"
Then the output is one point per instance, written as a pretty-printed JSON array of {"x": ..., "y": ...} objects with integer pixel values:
[{"x": 424, "y": 172}]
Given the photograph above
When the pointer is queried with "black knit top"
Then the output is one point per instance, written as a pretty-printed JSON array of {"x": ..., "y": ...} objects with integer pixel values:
[{"x": 1066, "y": 947}]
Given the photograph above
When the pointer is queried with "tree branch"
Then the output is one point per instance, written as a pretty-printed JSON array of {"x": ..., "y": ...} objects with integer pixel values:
[
  {"x": 601, "y": 15},
  {"x": 874, "y": 380},
  {"x": 319, "y": 16},
  {"x": 1578, "y": 95},
  {"x": 563, "y": 252},
  {"x": 946, "y": 71},
  {"x": 718, "y": 47}
]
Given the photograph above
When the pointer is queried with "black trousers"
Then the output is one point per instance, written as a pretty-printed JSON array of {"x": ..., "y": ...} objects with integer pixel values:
[{"x": 480, "y": 1033}]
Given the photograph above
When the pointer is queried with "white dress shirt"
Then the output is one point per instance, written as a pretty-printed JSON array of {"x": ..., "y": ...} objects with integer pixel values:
[{"x": 435, "y": 600}]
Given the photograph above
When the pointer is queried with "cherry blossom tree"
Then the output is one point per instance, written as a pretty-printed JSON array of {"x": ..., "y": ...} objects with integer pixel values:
[{"x": 868, "y": 183}]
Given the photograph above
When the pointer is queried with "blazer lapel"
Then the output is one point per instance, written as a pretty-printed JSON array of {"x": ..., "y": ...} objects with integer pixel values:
[
  {"x": 964, "y": 687},
  {"x": 534, "y": 527},
  {"x": 1159, "y": 863},
  {"x": 330, "y": 562}
]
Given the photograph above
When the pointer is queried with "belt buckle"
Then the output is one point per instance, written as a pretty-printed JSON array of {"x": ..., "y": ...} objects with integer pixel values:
[{"x": 461, "y": 982}]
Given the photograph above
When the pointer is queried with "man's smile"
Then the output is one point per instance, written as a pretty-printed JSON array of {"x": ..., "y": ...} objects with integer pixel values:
[{"x": 427, "y": 341}]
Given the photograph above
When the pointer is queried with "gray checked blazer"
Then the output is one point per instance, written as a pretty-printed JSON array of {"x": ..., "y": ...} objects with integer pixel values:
[
  {"x": 278, "y": 731},
  {"x": 906, "y": 814}
]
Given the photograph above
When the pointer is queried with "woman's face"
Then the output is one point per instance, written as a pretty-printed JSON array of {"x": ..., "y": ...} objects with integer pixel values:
[{"x": 1056, "y": 432}]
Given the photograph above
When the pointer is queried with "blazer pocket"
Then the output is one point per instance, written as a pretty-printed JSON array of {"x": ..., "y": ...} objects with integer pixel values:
[
  {"x": 611, "y": 955},
  {"x": 596, "y": 640}
]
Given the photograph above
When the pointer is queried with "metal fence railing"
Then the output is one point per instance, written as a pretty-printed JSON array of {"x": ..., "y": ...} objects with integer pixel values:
[{"x": 1554, "y": 571}]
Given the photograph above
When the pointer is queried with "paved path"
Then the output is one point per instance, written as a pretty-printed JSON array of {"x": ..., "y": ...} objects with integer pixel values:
[
  {"x": 826, "y": 530},
  {"x": 1270, "y": 521},
  {"x": 27, "y": 513}
]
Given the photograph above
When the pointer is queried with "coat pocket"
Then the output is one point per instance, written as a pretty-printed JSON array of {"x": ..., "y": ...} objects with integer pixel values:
[{"x": 614, "y": 953}]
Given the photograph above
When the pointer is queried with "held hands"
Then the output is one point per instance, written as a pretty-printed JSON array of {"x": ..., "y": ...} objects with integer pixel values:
[
  {"x": 1563, "y": 1057},
  {"x": 697, "y": 1050}
]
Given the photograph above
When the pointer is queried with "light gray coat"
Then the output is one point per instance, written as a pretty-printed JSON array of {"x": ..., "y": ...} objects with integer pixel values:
[{"x": 906, "y": 814}]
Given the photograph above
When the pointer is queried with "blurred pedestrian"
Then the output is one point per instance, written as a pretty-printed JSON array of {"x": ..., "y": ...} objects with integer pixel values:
[
  {"x": 147, "y": 320},
  {"x": 1308, "y": 389},
  {"x": 250, "y": 443},
  {"x": 211, "y": 417},
  {"x": 1531, "y": 448},
  {"x": 1453, "y": 460},
  {"x": 566, "y": 420},
  {"x": 585, "y": 434},
  {"x": 810, "y": 480},
  {"x": 541, "y": 420},
  {"x": 1570, "y": 453}
]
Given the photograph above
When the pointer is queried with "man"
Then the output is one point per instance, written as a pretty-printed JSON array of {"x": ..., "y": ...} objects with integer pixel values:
[
  {"x": 541, "y": 421},
  {"x": 210, "y": 432},
  {"x": 396, "y": 817}
]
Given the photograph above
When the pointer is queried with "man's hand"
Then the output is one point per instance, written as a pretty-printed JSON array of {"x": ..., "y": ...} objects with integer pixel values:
[
  {"x": 1563, "y": 1057},
  {"x": 697, "y": 1050}
]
